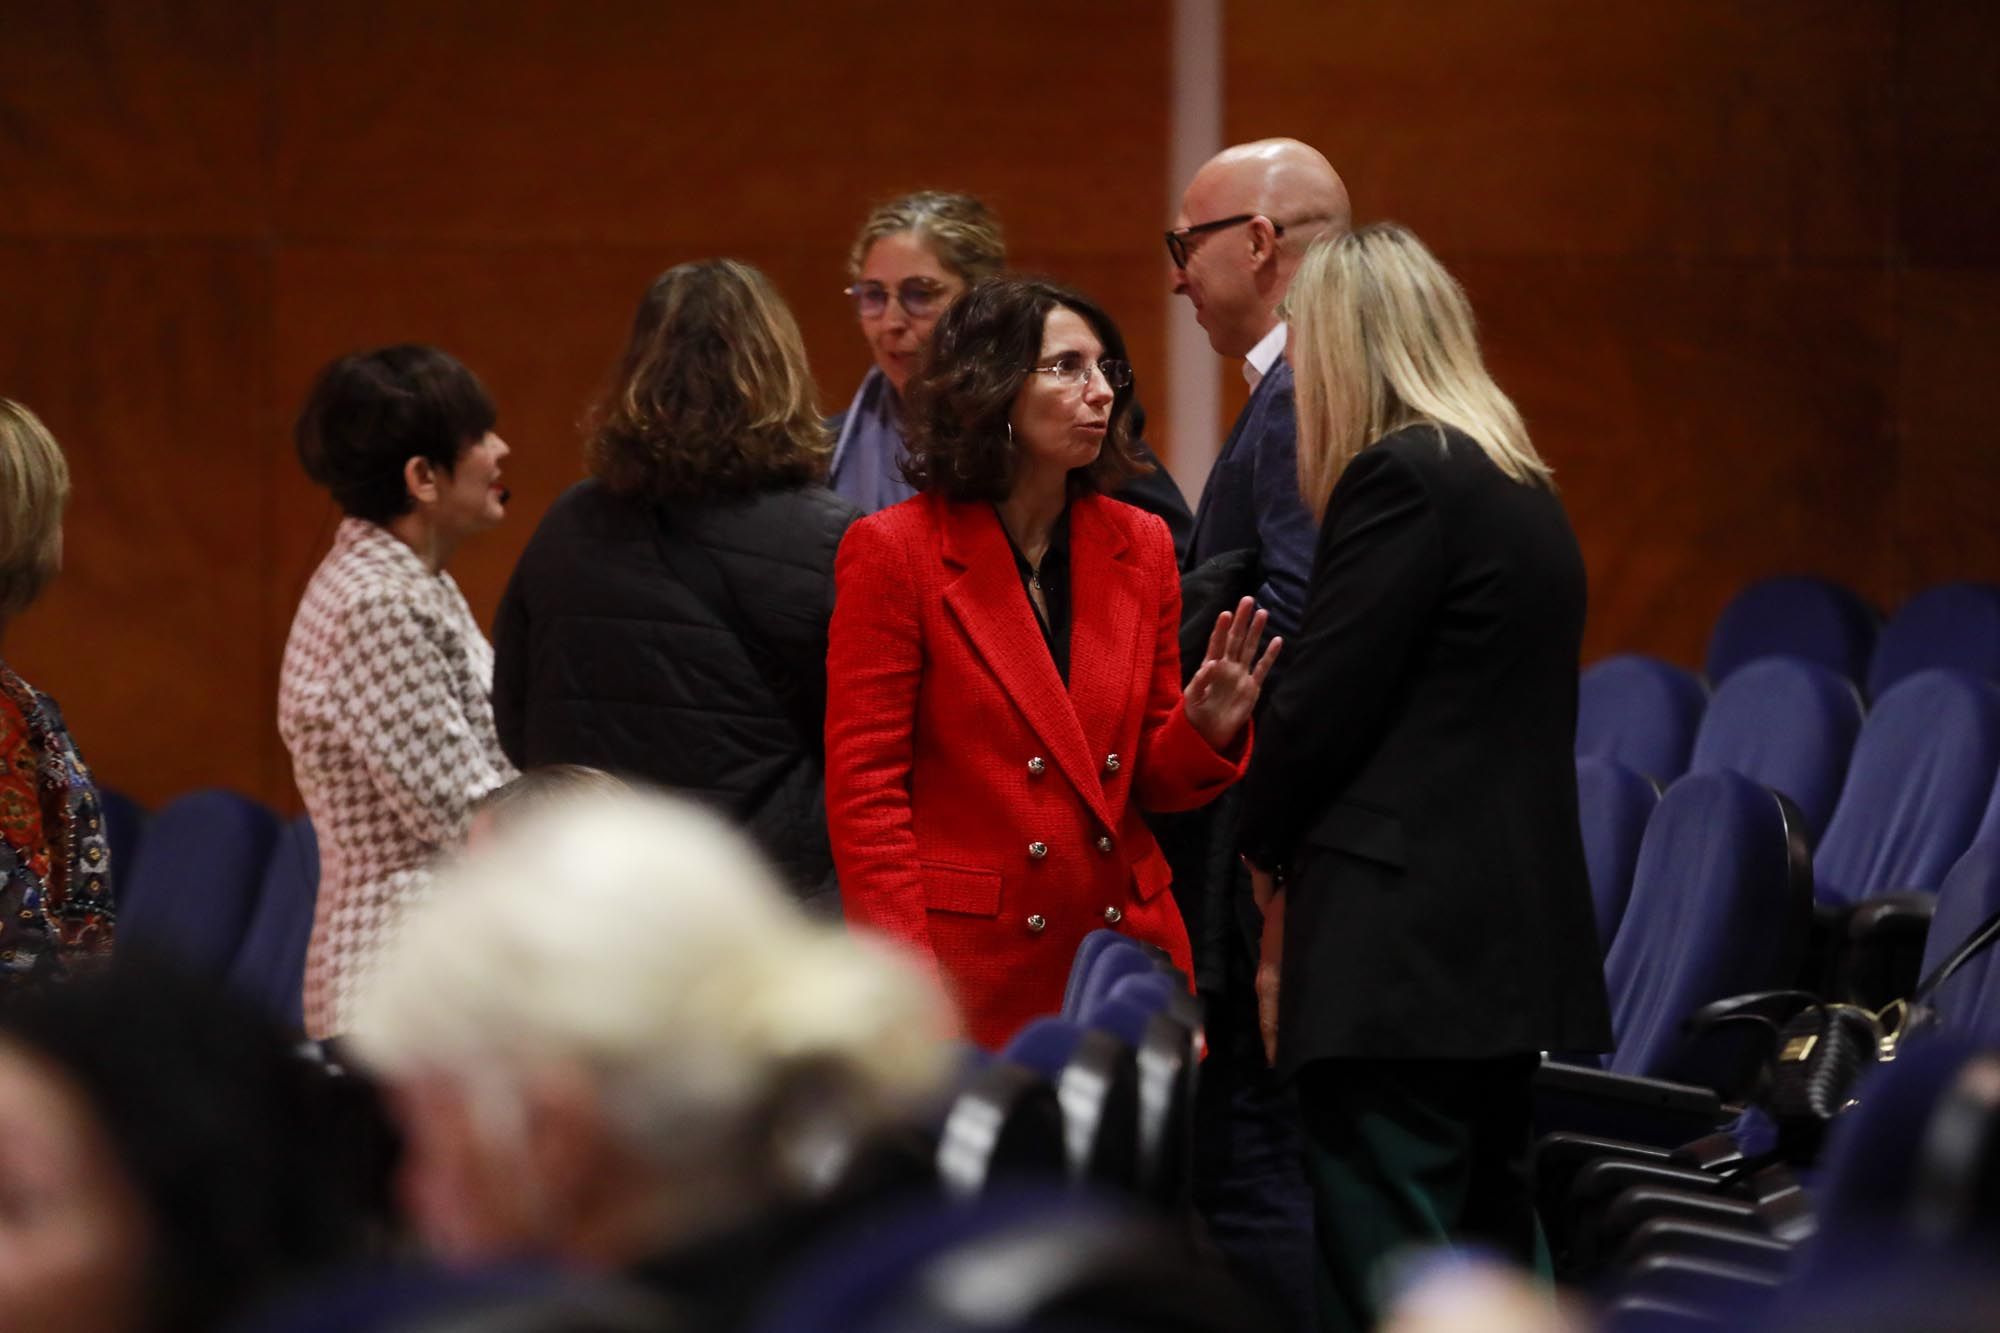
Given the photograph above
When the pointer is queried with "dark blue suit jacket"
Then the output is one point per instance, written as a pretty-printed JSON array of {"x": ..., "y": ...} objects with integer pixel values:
[{"x": 1252, "y": 501}]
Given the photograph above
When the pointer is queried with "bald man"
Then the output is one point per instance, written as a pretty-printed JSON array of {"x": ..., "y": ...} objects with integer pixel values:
[{"x": 1244, "y": 224}]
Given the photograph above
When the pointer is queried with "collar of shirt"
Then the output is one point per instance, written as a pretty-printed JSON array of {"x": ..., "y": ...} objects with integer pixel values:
[{"x": 1264, "y": 355}]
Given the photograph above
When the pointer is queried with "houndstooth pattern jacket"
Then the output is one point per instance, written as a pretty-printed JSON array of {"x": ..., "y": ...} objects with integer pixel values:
[{"x": 385, "y": 704}]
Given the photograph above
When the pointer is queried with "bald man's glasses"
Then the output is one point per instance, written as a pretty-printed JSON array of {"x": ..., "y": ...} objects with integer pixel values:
[
  {"x": 1177, "y": 240},
  {"x": 919, "y": 297}
]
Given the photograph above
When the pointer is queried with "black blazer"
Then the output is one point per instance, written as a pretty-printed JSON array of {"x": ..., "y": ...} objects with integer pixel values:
[
  {"x": 1251, "y": 501},
  {"x": 1415, "y": 771}
]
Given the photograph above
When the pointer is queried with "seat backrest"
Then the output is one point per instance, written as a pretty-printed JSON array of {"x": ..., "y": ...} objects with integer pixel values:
[
  {"x": 1872, "y": 1155},
  {"x": 1160, "y": 992},
  {"x": 1641, "y": 712},
  {"x": 1112, "y": 964},
  {"x": 1794, "y": 615},
  {"x": 124, "y": 827},
  {"x": 1968, "y": 1004},
  {"x": 1613, "y": 804},
  {"x": 1787, "y": 724},
  {"x": 1087, "y": 950},
  {"x": 270, "y": 966},
  {"x": 194, "y": 881},
  {"x": 858, "y": 1276},
  {"x": 1168, "y": 1055},
  {"x": 1953, "y": 625},
  {"x": 1097, "y": 1083},
  {"x": 1005, "y": 1124},
  {"x": 1721, "y": 905},
  {"x": 1916, "y": 788}
]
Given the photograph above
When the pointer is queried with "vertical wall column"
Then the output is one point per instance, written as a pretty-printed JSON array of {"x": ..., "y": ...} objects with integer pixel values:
[{"x": 1194, "y": 134}]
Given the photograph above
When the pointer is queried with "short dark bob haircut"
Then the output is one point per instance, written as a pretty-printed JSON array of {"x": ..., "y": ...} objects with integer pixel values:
[
  {"x": 980, "y": 355},
  {"x": 370, "y": 413},
  {"x": 712, "y": 398}
]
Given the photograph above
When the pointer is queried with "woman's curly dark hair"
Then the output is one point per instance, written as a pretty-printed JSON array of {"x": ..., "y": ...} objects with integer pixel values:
[
  {"x": 980, "y": 355},
  {"x": 713, "y": 397}
]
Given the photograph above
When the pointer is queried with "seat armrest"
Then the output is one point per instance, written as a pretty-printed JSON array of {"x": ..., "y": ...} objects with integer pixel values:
[
  {"x": 1704, "y": 1240},
  {"x": 1624, "y": 1106}
]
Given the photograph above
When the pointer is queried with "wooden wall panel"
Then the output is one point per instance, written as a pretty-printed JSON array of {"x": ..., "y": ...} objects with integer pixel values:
[
  {"x": 133, "y": 119},
  {"x": 145, "y": 358},
  {"x": 1705, "y": 127},
  {"x": 1685, "y": 229},
  {"x": 499, "y": 178}
]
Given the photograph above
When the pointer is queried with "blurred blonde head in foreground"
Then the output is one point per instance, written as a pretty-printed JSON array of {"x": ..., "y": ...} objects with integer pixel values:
[{"x": 609, "y": 1032}]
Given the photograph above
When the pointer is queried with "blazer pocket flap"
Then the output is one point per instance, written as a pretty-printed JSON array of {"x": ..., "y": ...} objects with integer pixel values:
[
  {"x": 961, "y": 889},
  {"x": 1150, "y": 875},
  {"x": 1373, "y": 835}
]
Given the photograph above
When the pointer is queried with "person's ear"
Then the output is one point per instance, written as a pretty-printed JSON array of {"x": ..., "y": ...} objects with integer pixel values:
[
  {"x": 420, "y": 478},
  {"x": 1263, "y": 240}
]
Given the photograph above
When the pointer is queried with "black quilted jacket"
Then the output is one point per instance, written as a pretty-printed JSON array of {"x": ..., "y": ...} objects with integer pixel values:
[{"x": 606, "y": 655}]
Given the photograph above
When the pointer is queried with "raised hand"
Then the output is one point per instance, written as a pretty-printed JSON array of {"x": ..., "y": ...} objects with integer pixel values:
[{"x": 1222, "y": 695}]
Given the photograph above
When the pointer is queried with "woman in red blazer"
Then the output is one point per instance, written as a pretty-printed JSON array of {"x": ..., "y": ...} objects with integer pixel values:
[{"x": 1003, "y": 670}]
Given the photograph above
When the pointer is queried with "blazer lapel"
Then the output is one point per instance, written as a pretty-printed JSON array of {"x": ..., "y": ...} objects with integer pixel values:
[
  {"x": 1202, "y": 510},
  {"x": 987, "y": 601},
  {"x": 1107, "y": 596}
]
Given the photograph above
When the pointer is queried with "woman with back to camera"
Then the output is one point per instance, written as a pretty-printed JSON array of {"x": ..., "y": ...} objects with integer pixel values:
[
  {"x": 383, "y": 700},
  {"x": 667, "y": 621},
  {"x": 1411, "y": 816},
  {"x": 914, "y": 256},
  {"x": 56, "y": 910},
  {"x": 1004, "y": 670}
]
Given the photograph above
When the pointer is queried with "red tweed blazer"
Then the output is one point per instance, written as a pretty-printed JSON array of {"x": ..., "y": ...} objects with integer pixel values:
[{"x": 980, "y": 812}]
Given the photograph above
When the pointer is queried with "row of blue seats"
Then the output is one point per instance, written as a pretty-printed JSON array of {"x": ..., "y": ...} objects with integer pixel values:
[
  {"x": 1648, "y": 714},
  {"x": 224, "y": 885},
  {"x": 1888, "y": 800},
  {"x": 1953, "y": 625},
  {"x": 1100, "y": 1094}
]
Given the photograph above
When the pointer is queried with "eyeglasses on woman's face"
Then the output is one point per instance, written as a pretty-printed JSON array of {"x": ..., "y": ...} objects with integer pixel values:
[
  {"x": 919, "y": 297},
  {"x": 1073, "y": 372},
  {"x": 1177, "y": 239}
]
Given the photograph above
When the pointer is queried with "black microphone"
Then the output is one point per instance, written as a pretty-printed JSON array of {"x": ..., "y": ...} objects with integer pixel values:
[{"x": 505, "y": 495}]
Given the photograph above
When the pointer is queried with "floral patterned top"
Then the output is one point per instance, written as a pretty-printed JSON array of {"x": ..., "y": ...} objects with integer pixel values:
[
  {"x": 385, "y": 703},
  {"x": 56, "y": 910}
]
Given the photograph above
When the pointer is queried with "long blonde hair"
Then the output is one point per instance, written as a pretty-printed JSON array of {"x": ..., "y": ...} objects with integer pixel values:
[{"x": 1382, "y": 338}]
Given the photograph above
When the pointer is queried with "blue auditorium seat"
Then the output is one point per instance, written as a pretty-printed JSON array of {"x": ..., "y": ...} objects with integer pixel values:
[
  {"x": 1640, "y": 712},
  {"x": 1096, "y": 1079},
  {"x": 1954, "y": 625},
  {"x": 194, "y": 881},
  {"x": 1916, "y": 789},
  {"x": 1167, "y": 1056},
  {"x": 124, "y": 828},
  {"x": 1112, "y": 963},
  {"x": 1968, "y": 1004},
  {"x": 270, "y": 966},
  {"x": 1613, "y": 805},
  {"x": 1787, "y": 724},
  {"x": 1721, "y": 905},
  {"x": 997, "y": 1263},
  {"x": 1794, "y": 615},
  {"x": 1087, "y": 950}
]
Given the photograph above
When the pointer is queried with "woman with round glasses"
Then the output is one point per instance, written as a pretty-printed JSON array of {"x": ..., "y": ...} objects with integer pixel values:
[
  {"x": 914, "y": 257},
  {"x": 1003, "y": 668}
]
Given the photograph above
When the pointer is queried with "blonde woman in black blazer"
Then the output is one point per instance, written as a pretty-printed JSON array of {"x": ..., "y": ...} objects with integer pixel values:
[{"x": 1411, "y": 811}]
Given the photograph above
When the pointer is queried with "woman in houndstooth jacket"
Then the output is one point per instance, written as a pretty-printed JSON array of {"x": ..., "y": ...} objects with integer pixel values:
[{"x": 384, "y": 696}]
